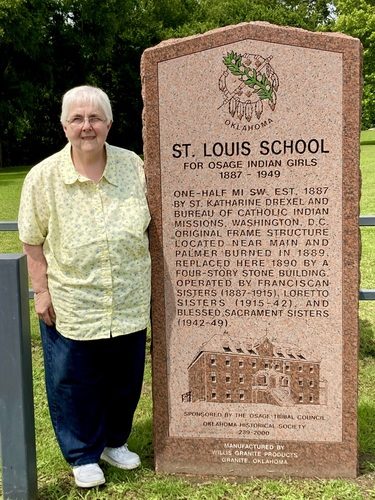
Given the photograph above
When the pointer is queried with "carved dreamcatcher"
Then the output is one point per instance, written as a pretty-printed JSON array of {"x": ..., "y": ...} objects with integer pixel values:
[{"x": 248, "y": 81}]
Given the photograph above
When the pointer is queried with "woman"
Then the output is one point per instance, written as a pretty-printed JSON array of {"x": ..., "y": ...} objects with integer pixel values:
[{"x": 83, "y": 221}]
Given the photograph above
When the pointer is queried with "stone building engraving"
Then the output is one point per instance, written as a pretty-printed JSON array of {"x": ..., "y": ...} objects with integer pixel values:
[{"x": 254, "y": 371}]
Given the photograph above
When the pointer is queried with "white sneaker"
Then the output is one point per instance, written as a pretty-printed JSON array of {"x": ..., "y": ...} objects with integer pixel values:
[
  {"x": 88, "y": 475},
  {"x": 121, "y": 457}
]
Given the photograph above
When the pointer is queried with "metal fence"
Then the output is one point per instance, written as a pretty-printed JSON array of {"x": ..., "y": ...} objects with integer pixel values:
[
  {"x": 364, "y": 221},
  {"x": 17, "y": 429}
]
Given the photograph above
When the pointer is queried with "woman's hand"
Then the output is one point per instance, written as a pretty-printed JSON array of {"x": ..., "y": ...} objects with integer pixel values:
[
  {"x": 37, "y": 267},
  {"x": 44, "y": 307}
]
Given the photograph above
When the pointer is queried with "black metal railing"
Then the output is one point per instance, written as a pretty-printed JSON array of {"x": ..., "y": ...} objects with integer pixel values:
[{"x": 364, "y": 220}]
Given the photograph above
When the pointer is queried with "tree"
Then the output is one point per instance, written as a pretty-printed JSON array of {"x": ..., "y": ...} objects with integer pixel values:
[
  {"x": 22, "y": 50},
  {"x": 357, "y": 18},
  {"x": 209, "y": 14},
  {"x": 49, "y": 46}
]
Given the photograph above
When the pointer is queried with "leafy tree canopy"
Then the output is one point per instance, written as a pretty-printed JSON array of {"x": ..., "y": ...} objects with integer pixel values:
[
  {"x": 357, "y": 18},
  {"x": 49, "y": 46}
]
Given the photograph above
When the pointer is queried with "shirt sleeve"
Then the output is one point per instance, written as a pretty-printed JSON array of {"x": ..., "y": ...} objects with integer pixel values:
[{"x": 33, "y": 211}]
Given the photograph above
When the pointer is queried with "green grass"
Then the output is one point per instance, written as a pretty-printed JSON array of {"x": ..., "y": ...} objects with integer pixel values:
[
  {"x": 366, "y": 407},
  {"x": 10, "y": 190},
  {"x": 54, "y": 476},
  {"x": 368, "y": 137}
]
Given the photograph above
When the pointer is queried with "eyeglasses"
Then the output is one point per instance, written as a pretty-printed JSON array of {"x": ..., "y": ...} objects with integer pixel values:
[{"x": 78, "y": 121}]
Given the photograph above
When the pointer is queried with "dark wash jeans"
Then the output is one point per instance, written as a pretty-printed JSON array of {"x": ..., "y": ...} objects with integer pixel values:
[{"x": 93, "y": 388}]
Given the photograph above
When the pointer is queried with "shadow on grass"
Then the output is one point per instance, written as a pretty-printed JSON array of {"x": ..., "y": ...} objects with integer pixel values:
[
  {"x": 367, "y": 341},
  {"x": 366, "y": 408},
  {"x": 13, "y": 173},
  {"x": 366, "y": 424},
  {"x": 119, "y": 483},
  {"x": 366, "y": 463},
  {"x": 141, "y": 441},
  {"x": 58, "y": 490},
  {"x": 9, "y": 183}
]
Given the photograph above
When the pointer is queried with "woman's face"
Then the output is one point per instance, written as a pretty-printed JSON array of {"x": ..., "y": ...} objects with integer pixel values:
[{"x": 86, "y": 128}]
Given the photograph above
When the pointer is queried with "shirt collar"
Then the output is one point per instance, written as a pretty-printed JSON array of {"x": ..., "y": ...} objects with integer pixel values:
[
  {"x": 70, "y": 174},
  {"x": 111, "y": 169}
]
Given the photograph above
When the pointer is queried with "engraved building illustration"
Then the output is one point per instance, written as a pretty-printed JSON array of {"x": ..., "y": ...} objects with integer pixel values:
[{"x": 247, "y": 371}]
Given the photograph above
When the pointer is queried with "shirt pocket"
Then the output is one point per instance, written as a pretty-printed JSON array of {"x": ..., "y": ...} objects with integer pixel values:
[{"x": 131, "y": 218}]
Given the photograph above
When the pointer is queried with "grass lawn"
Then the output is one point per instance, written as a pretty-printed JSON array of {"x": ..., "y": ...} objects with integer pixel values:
[{"x": 54, "y": 475}]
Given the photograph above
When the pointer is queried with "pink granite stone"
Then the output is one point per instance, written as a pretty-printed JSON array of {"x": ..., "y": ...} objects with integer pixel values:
[{"x": 251, "y": 137}]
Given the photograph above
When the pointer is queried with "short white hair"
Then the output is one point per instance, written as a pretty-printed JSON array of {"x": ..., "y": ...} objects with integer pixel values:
[{"x": 86, "y": 94}]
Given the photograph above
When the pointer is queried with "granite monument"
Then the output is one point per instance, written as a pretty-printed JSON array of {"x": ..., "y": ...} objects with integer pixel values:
[{"x": 251, "y": 136}]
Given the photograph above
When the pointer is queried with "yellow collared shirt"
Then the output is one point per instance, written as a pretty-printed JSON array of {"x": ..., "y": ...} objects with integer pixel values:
[{"x": 95, "y": 242}]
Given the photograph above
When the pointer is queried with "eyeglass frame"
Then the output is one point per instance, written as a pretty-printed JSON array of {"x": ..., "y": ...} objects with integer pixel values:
[{"x": 79, "y": 120}]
